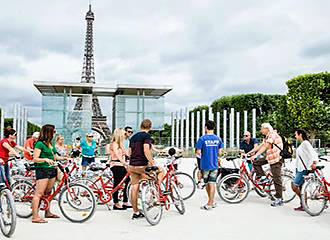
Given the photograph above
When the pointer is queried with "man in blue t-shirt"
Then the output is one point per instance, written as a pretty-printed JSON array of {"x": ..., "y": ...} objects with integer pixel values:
[{"x": 208, "y": 147}]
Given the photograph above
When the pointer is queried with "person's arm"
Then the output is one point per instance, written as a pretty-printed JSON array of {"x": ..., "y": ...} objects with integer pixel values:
[
  {"x": 261, "y": 149},
  {"x": 10, "y": 149},
  {"x": 148, "y": 153},
  {"x": 37, "y": 159}
]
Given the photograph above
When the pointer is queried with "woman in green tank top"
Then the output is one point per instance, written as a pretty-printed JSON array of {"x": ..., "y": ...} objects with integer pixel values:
[{"x": 44, "y": 157}]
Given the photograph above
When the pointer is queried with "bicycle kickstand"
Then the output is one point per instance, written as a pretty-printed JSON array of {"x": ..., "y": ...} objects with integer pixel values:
[{"x": 108, "y": 206}]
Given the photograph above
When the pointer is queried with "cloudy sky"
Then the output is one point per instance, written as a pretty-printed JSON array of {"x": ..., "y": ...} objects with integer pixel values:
[{"x": 205, "y": 49}]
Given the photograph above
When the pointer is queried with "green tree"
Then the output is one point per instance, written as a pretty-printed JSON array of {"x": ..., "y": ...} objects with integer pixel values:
[{"x": 308, "y": 102}]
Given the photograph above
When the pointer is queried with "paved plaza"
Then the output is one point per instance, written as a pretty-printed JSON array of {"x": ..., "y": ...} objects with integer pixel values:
[{"x": 252, "y": 219}]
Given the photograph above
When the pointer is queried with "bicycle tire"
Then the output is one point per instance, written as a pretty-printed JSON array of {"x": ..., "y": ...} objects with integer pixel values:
[
  {"x": 305, "y": 197},
  {"x": 242, "y": 194},
  {"x": 177, "y": 199},
  {"x": 189, "y": 182},
  {"x": 195, "y": 173},
  {"x": 288, "y": 193},
  {"x": 150, "y": 196},
  {"x": 18, "y": 195},
  {"x": 12, "y": 215},
  {"x": 92, "y": 186},
  {"x": 91, "y": 200}
]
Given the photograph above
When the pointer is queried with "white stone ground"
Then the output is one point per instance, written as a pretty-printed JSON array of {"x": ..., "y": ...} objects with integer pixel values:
[{"x": 252, "y": 219}]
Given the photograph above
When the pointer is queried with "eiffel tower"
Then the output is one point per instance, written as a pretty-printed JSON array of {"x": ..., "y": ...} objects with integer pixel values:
[{"x": 99, "y": 122}]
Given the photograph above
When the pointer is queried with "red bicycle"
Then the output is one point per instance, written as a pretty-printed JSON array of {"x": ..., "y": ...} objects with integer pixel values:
[
  {"x": 76, "y": 201},
  {"x": 234, "y": 188},
  {"x": 155, "y": 196},
  {"x": 315, "y": 191},
  {"x": 102, "y": 186}
]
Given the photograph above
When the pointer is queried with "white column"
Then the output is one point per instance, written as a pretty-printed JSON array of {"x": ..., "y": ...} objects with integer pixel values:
[
  {"x": 192, "y": 125},
  {"x": 187, "y": 128},
  {"x": 25, "y": 124},
  {"x": 177, "y": 122},
  {"x": 232, "y": 126},
  {"x": 225, "y": 128},
  {"x": 211, "y": 117},
  {"x": 2, "y": 124},
  {"x": 245, "y": 121},
  {"x": 181, "y": 128},
  {"x": 203, "y": 121},
  {"x": 15, "y": 117},
  {"x": 218, "y": 124},
  {"x": 198, "y": 124},
  {"x": 172, "y": 129},
  {"x": 254, "y": 115},
  {"x": 237, "y": 129}
]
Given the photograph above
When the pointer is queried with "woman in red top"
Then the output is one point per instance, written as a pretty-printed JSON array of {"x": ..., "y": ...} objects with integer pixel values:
[{"x": 7, "y": 145}]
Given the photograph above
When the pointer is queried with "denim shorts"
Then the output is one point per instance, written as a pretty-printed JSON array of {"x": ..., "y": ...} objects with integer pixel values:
[
  {"x": 210, "y": 176},
  {"x": 299, "y": 179},
  {"x": 87, "y": 161}
]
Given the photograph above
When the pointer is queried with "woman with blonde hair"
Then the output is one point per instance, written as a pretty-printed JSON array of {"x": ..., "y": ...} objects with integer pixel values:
[
  {"x": 62, "y": 149},
  {"x": 116, "y": 149}
]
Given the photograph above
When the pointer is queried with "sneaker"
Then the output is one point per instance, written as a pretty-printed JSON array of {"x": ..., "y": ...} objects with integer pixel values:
[
  {"x": 137, "y": 215},
  {"x": 207, "y": 207},
  {"x": 263, "y": 180},
  {"x": 301, "y": 208},
  {"x": 214, "y": 205},
  {"x": 277, "y": 202},
  {"x": 200, "y": 185}
]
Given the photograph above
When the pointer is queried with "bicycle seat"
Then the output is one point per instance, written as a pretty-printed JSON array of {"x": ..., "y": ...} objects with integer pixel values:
[
  {"x": 231, "y": 158},
  {"x": 30, "y": 166},
  {"x": 95, "y": 169},
  {"x": 152, "y": 168},
  {"x": 103, "y": 161},
  {"x": 319, "y": 167}
]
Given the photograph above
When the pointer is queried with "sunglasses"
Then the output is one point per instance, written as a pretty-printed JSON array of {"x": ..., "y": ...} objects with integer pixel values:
[
  {"x": 130, "y": 131},
  {"x": 245, "y": 135},
  {"x": 89, "y": 136}
]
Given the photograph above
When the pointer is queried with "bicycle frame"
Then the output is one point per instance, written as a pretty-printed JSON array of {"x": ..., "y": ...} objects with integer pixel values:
[
  {"x": 325, "y": 184},
  {"x": 245, "y": 173},
  {"x": 46, "y": 199}
]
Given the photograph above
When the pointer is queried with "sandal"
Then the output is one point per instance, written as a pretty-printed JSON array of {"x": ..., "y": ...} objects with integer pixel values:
[
  {"x": 52, "y": 216},
  {"x": 39, "y": 221}
]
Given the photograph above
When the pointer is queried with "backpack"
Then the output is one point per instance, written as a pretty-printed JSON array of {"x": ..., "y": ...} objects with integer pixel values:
[{"x": 287, "y": 150}]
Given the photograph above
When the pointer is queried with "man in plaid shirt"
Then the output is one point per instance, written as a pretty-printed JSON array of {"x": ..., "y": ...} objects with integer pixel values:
[{"x": 273, "y": 157}]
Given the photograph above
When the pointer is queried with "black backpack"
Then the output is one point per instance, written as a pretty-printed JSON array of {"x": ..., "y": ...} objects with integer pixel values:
[{"x": 287, "y": 151}]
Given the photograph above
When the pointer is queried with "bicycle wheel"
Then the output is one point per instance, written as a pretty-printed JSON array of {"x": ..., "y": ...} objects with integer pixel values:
[
  {"x": 77, "y": 203},
  {"x": 195, "y": 174},
  {"x": 312, "y": 200},
  {"x": 186, "y": 184},
  {"x": 151, "y": 205},
  {"x": 288, "y": 193},
  {"x": 177, "y": 199},
  {"x": 22, "y": 193},
  {"x": 233, "y": 188},
  {"x": 7, "y": 213}
]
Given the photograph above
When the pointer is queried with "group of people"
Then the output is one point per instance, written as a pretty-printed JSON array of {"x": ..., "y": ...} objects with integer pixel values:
[
  {"x": 208, "y": 149},
  {"x": 133, "y": 153}
]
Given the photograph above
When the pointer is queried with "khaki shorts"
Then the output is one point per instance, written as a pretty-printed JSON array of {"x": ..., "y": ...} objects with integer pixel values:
[{"x": 137, "y": 173}]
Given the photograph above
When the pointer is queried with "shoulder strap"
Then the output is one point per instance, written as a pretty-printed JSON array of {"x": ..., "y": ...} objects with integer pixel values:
[
  {"x": 277, "y": 146},
  {"x": 303, "y": 163}
]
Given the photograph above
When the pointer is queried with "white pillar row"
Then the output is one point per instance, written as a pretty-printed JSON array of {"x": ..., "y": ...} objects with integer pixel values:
[
  {"x": 172, "y": 129},
  {"x": 177, "y": 122},
  {"x": 192, "y": 129},
  {"x": 2, "y": 124},
  {"x": 245, "y": 121},
  {"x": 181, "y": 128},
  {"x": 254, "y": 122},
  {"x": 237, "y": 129},
  {"x": 22, "y": 125},
  {"x": 198, "y": 121},
  {"x": 218, "y": 124},
  {"x": 225, "y": 128},
  {"x": 232, "y": 126},
  {"x": 203, "y": 121},
  {"x": 211, "y": 117},
  {"x": 187, "y": 128}
]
